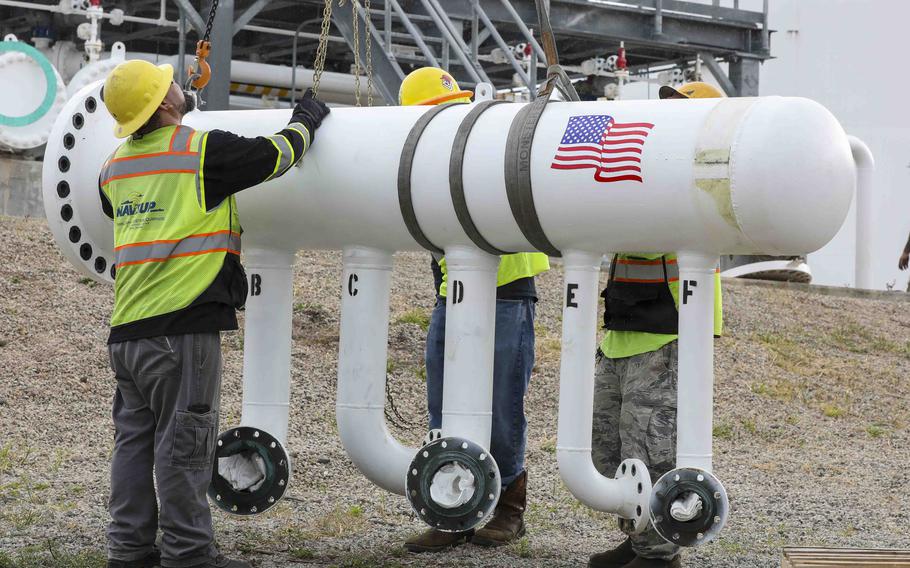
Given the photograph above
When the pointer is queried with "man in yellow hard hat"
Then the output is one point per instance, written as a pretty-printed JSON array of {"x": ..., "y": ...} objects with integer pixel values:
[
  {"x": 170, "y": 192},
  {"x": 635, "y": 375},
  {"x": 513, "y": 360}
]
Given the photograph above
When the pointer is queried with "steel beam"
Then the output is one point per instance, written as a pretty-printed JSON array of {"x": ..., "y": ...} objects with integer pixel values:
[
  {"x": 744, "y": 75},
  {"x": 192, "y": 15},
  {"x": 725, "y": 83},
  {"x": 217, "y": 93},
  {"x": 387, "y": 73},
  {"x": 585, "y": 20},
  {"x": 249, "y": 14}
]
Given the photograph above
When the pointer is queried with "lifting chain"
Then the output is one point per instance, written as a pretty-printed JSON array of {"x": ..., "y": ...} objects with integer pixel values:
[
  {"x": 200, "y": 72},
  {"x": 322, "y": 49},
  {"x": 392, "y": 414},
  {"x": 366, "y": 6}
]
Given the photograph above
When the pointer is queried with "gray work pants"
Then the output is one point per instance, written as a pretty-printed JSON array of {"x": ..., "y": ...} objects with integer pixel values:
[
  {"x": 635, "y": 417},
  {"x": 166, "y": 422}
]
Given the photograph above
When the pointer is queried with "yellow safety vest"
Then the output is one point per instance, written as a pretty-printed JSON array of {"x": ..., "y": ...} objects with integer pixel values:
[
  {"x": 168, "y": 247},
  {"x": 647, "y": 269},
  {"x": 512, "y": 267}
]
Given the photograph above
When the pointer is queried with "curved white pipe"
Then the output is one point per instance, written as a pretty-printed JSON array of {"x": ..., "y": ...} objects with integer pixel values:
[
  {"x": 576, "y": 392},
  {"x": 865, "y": 215},
  {"x": 362, "y": 355},
  {"x": 695, "y": 396}
]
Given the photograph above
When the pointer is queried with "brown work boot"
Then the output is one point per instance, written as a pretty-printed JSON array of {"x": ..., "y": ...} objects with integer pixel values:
[
  {"x": 640, "y": 562},
  {"x": 432, "y": 540},
  {"x": 508, "y": 522},
  {"x": 616, "y": 558}
]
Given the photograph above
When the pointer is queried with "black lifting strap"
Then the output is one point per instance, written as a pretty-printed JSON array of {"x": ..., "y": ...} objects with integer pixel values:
[
  {"x": 456, "y": 181},
  {"x": 405, "y": 165},
  {"x": 521, "y": 138}
]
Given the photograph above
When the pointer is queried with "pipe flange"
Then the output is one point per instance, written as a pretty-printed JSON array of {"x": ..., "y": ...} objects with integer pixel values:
[
  {"x": 634, "y": 472},
  {"x": 277, "y": 476},
  {"x": 703, "y": 528},
  {"x": 458, "y": 461}
]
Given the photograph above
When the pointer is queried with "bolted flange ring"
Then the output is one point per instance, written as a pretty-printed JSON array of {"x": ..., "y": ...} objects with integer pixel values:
[
  {"x": 478, "y": 496},
  {"x": 677, "y": 484},
  {"x": 277, "y": 472}
]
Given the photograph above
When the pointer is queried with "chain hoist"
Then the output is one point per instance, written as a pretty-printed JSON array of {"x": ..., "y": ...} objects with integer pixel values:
[
  {"x": 369, "y": 48},
  {"x": 200, "y": 73}
]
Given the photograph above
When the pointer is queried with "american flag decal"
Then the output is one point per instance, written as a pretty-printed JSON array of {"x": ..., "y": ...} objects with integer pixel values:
[{"x": 612, "y": 149}]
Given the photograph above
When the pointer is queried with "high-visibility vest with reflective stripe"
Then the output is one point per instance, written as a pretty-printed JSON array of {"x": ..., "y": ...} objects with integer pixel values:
[
  {"x": 644, "y": 271},
  {"x": 512, "y": 267},
  {"x": 168, "y": 247}
]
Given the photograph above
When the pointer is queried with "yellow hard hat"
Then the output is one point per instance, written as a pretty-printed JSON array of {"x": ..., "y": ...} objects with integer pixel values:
[
  {"x": 430, "y": 86},
  {"x": 694, "y": 90},
  {"x": 133, "y": 91}
]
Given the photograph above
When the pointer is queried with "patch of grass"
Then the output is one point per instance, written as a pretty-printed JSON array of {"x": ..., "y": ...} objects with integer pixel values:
[
  {"x": 338, "y": 522},
  {"x": 16, "y": 280},
  {"x": 723, "y": 431},
  {"x": 522, "y": 548},
  {"x": 86, "y": 281},
  {"x": 786, "y": 353},
  {"x": 858, "y": 339},
  {"x": 417, "y": 316},
  {"x": 875, "y": 430},
  {"x": 780, "y": 389},
  {"x": 49, "y": 553},
  {"x": 22, "y": 519},
  {"x": 390, "y": 366},
  {"x": 548, "y": 348},
  {"x": 549, "y": 445},
  {"x": 422, "y": 373},
  {"x": 749, "y": 425},
  {"x": 833, "y": 411},
  {"x": 301, "y": 553}
]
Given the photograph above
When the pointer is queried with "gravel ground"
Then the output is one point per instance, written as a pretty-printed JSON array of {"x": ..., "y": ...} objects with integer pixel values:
[{"x": 811, "y": 426}]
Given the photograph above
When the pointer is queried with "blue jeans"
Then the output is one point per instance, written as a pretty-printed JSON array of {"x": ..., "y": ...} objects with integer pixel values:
[{"x": 512, "y": 365}]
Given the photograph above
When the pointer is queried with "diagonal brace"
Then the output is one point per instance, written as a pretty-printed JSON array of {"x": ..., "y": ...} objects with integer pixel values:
[
  {"x": 192, "y": 15},
  {"x": 725, "y": 83},
  {"x": 247, "y": 16}
]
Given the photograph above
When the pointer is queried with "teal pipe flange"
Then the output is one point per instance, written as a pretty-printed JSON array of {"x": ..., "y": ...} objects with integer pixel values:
[{"x": 49, "y": 76}]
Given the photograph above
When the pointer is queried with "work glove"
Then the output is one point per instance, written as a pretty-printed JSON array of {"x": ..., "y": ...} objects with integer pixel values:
[{"x": 310, "y": 111}]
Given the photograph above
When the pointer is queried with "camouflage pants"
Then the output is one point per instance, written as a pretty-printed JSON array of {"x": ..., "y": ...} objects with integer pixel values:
[{"x": 635, "y": 417}]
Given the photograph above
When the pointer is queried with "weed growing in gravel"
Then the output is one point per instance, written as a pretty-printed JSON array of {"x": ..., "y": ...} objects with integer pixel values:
[
  {"x": 418, "y": 316},
  {"x": 86, "y": 281},
  {"x": 522, "y": 548},
  {"x": 786, "y": 353},
  {"x": 749, "y": 425},
  {"x": 422, "y": 373},
  {"x": 301, "y": 553},
  {"x": 49, "y": 553},
  {"x": 723, "y": 431},
  {"x": 858, "y": 339},
  {"x": 833, "y": 411},
  {"x": 549, "y": 445},
  {"x": 875, "y": 430}
]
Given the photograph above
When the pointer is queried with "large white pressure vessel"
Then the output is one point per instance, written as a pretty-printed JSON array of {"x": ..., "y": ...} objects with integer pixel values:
[
  {"x": 32, "y": 94},
  {"x": 743, "y": 176}
]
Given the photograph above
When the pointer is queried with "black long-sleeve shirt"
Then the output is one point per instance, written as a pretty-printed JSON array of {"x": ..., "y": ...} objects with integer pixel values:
[{"x": 232, "y": 163}]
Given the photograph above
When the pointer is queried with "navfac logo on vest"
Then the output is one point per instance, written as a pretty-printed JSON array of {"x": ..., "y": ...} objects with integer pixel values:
[{"x": 135, "y": 206}]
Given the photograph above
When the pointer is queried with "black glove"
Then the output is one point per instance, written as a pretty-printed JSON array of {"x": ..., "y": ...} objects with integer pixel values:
[{"x": 310, "y": 111}]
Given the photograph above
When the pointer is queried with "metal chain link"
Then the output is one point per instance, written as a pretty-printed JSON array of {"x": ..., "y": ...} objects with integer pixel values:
[
  {"x": 366, "y": 5},
  {"x": 355, "y": 24},
  {"x": 322, "y": 49},
  {"x": 211, "y": 22}
]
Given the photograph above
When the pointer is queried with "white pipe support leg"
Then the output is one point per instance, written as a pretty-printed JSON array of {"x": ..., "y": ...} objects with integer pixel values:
[
  {"x": 675, "y": 513},
  {"x": 453, "y": 483},
  {"x": 253, "y": 463},
  {"x": 362, "y": 357},
  {"x": 467, "y": 394},
  {"x": 628, "y": 494},
  {"x": 695, "y": 398},
  {"x": 865, "y": 214}
]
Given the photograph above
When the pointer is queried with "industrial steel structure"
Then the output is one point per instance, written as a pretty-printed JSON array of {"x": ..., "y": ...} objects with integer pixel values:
[{"x": 478, "y": 40}]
